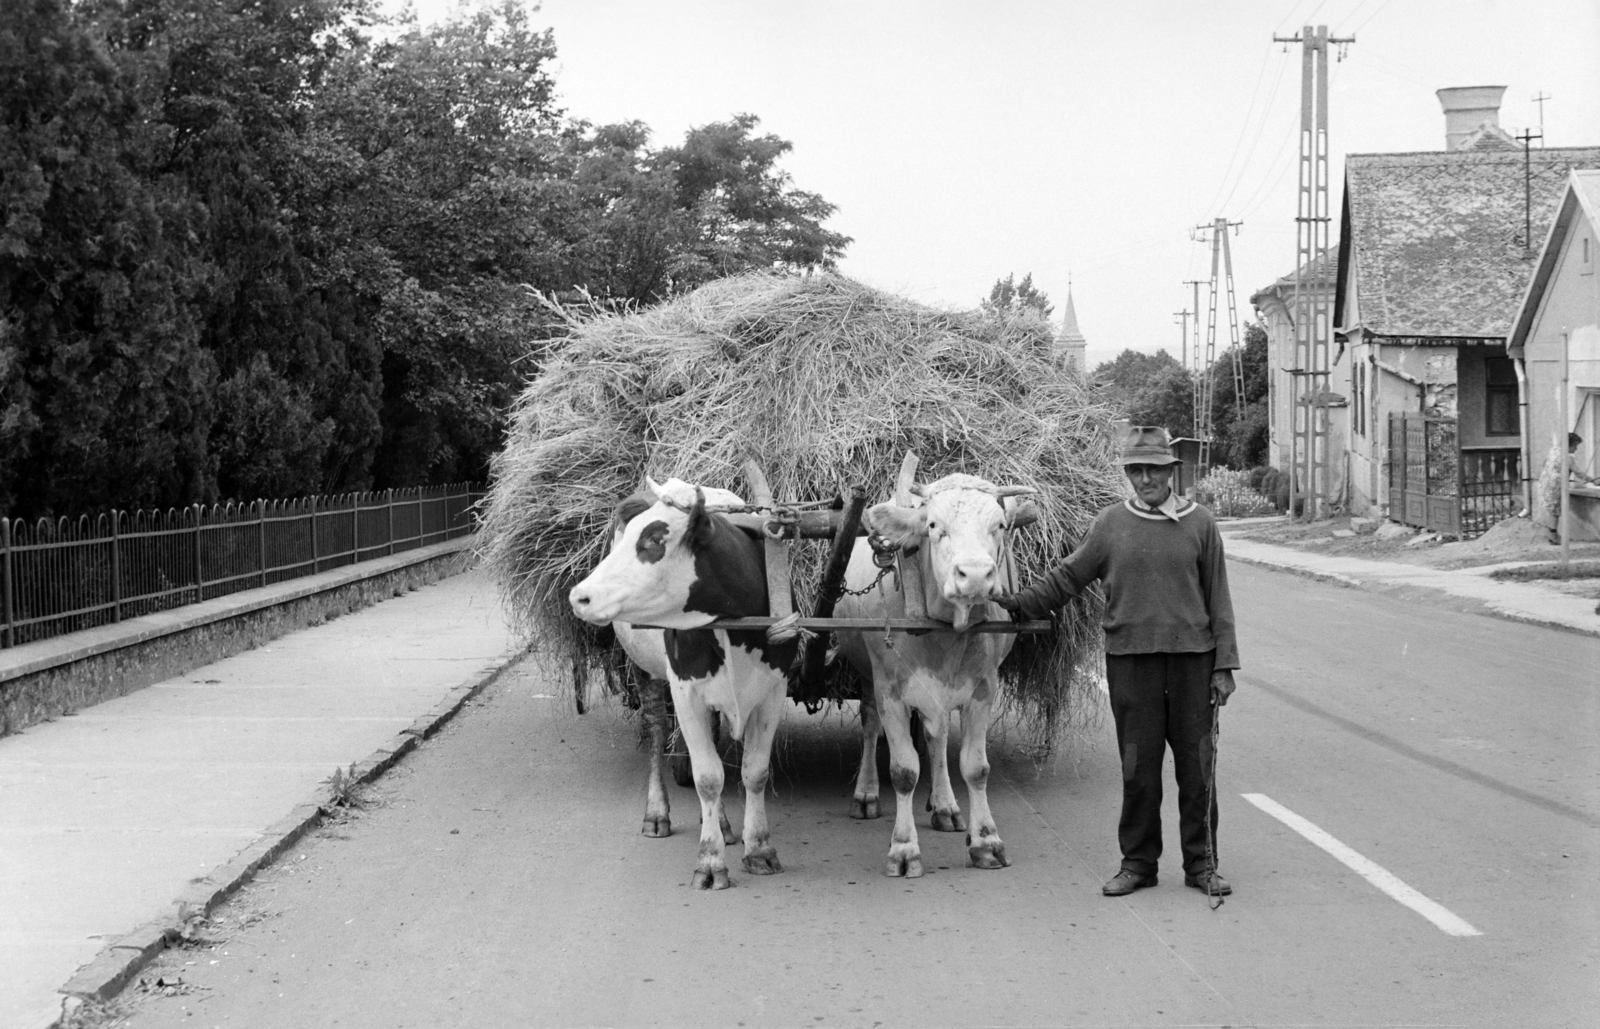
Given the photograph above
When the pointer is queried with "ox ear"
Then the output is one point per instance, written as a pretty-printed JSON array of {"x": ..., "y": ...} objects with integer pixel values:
[
  {"x": 1020, "y": 513},
  {"x": 701, "y": 527},
  {"x": 902, "y": 526}
]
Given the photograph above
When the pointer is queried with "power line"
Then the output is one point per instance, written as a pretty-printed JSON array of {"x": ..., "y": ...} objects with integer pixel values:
[
  {"x": 1244, "y": 128},
  {"x": 1371, "y": 16},
  {"x": 1265, "y": 116}
]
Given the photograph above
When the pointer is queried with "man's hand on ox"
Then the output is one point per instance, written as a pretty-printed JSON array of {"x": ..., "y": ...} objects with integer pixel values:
[
  {"x": 1011, "y": 603},
  {"x": 1222, "y": 686}
]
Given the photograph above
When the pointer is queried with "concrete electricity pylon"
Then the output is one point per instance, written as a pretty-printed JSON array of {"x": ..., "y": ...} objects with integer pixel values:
[
  {"x": 1192, "y": 367},
  {"x": 1310, "y": 476},
  {"x": 1205, "y": 386}
]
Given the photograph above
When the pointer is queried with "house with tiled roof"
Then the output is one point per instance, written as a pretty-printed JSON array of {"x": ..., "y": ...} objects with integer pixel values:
[
  {"x": 1434, "y": 258},
  {"x": 1275, "y": 306},
  {"x": 1555, "y": 339}
]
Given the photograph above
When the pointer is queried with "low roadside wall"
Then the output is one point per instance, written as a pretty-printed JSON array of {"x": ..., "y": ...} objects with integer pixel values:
[{"x": 43, "y": 680}]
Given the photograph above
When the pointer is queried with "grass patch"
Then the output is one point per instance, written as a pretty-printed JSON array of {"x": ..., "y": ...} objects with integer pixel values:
[{"x": 1554, "y": 570}]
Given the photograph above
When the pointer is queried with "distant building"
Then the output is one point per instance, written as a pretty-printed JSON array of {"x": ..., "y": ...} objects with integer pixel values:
[
  {"x": 1071, "y": 348},
  {"x": 1276, "y": 306},
  {"x": 1433, "y": 258}
]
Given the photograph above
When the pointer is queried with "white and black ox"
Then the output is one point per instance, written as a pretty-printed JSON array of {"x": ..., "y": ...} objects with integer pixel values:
[
  {"x": 677, "y": 564},
  {"x": 958, "y": 538}
]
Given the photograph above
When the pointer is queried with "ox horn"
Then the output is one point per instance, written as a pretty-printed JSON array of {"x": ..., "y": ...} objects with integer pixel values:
[
  {"x": 651, "y": 489},
  {"x": 1002, "y": 492},
  {"x": 701, "y": 527}
]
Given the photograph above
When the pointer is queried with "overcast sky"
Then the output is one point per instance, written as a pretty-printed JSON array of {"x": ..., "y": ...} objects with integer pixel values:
[{"x": 963, "y": 141}]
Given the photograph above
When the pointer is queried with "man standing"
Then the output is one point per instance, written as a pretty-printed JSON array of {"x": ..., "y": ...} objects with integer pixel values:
[{"x": 1170, "y": 653}]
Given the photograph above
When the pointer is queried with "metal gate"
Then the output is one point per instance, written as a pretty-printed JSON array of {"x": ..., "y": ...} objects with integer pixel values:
[
  {"x": 1424, "y": 462},
  {"x": 1434, "y": 484}
]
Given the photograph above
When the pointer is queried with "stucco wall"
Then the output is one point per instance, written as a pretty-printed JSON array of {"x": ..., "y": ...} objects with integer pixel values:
[{"x": 1570, "y": 308}]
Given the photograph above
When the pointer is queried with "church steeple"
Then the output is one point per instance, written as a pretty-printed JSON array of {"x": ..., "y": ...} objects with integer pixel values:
[{"x": 1071, "y": 346}]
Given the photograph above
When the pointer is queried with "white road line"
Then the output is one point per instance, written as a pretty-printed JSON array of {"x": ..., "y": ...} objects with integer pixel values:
[{"x": 1369, "y": 870}]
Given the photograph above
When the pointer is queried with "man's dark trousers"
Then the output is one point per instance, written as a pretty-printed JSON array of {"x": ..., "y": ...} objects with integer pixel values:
[{"x": 1158, "y": 699}]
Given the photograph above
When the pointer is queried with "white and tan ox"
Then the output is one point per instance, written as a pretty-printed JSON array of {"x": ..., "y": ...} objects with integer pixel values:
[
  {"x": 959, "y": 536},
  {"x": 676, "y": 564}
]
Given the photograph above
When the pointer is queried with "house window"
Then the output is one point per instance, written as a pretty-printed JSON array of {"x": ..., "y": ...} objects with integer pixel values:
[{"x": 1500, "y": 400}]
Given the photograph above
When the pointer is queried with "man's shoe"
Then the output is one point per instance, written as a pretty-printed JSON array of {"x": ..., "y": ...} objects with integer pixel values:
[
  {"x": 1210, "y": 882},
  {"x": 1126, "y": 881}
]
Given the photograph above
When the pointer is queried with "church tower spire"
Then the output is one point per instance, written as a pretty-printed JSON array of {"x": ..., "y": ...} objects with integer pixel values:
[{"x": 1071, "y": 346}]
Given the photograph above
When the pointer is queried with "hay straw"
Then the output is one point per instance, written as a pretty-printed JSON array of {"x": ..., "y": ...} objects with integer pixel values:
[{"x": 826, "y": 383}]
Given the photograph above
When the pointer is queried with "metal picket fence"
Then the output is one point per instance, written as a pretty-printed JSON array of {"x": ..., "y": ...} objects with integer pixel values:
[{"x": 65, "y": 575}]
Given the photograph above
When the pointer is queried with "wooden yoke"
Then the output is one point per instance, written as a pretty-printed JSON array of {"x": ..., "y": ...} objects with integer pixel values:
[
  {"x": 908, "y": 567},
  {"x": 780, "y": 597}
]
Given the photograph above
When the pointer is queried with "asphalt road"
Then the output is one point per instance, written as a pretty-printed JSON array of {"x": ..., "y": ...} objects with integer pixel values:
[{"x": 499, "y": 877}]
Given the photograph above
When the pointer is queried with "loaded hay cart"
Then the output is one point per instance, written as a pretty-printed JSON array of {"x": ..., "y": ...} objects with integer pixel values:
[{"x": 829, "y": 383}]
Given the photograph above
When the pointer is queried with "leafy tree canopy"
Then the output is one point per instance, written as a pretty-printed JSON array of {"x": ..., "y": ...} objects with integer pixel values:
[
  {"x": 1153, "y": 389},
  {"x": 256, "y": 249},
  {"x": 1009, "y": 298}
]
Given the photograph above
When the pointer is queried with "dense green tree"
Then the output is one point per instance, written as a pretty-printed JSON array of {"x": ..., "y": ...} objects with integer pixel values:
[
  {"x": 104, "y": 384},
  {"x": 1121, "y": 380},
  {"x": 1152, "y": 389},
  {"x": 1241, "y": 442},
  {"x": 1008, "y": 298},
  {"x": 253, "y": 247}
]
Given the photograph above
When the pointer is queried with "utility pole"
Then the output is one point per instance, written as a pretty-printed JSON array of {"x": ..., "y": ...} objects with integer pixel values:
[
  {"x": 1183, "y": 334},
  {"x": 1527, "y": 137},
  {"x": 1311, "y": 475},
  {"x": 1221, "y": 258},
  {"x": 1539, "y": 98}
]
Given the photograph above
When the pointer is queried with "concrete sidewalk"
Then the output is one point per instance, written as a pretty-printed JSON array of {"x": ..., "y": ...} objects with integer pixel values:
[
  {"x": 1516, "y": 601},
  {"x": 112, "y": 816}
]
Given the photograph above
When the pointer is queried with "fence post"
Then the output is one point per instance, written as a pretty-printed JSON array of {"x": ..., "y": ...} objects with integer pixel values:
[
  {"x": 316, "y": 565},
  {"x": 391, "y": 521},
  {"x": 5, "y": 576},
  {"x": 261, "y": 538},
  {"x": 199, "y": 576},
  {"x": 355, "y": 530},
  {"x": 116, "y": 569}
]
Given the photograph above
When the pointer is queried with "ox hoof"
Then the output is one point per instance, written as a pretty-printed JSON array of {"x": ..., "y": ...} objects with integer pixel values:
[
  {"x": 949, "y": 821},
  {"x": 987, "y": 853},
  {"x": 657, "y": 826},
  {"x": 863, "y": 807},
  {"x": 762, "y": 862},
  {"x": 907, "y": 866},
  {"x": 710, "y": 879}
]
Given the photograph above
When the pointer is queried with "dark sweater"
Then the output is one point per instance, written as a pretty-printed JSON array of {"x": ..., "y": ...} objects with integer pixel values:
[{"x": 1166, "y": 582}]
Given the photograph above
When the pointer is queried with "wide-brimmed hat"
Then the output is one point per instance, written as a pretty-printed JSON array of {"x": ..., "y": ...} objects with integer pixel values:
[{"x": 1148, "y": 444}]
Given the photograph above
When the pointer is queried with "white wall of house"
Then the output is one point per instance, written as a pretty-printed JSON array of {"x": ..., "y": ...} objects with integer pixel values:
[{"x": 1570, "y": 311}]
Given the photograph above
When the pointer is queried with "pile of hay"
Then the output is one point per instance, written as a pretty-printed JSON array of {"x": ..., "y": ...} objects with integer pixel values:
[{"x": 826, "y": 383}]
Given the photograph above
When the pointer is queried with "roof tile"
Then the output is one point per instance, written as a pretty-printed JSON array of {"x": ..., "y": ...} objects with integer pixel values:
[{"x": 1437, "y": 238}]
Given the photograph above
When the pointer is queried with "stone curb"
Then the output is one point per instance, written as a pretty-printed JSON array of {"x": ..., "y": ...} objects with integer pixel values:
[
  {"x": 1376, "y": 585},
  {"x": 121, "y": 961}
]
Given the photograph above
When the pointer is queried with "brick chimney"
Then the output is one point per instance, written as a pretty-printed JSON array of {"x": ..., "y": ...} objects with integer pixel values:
[{"x": 1466, "y": 108}]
